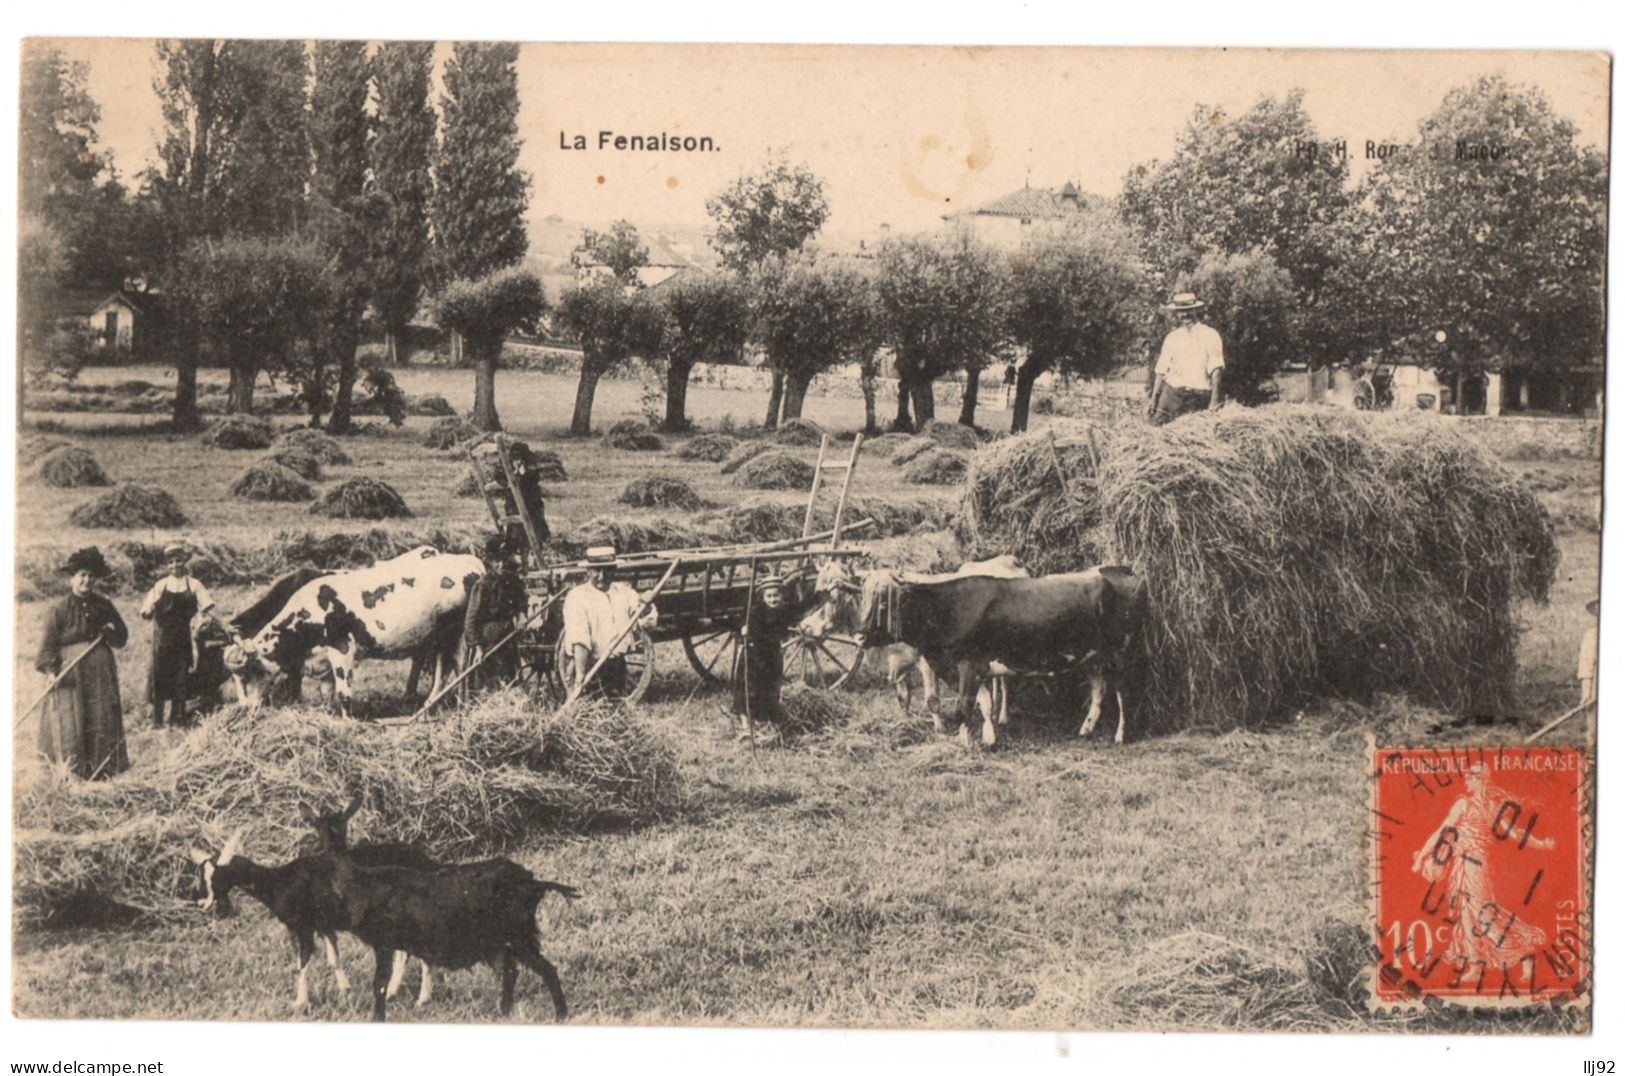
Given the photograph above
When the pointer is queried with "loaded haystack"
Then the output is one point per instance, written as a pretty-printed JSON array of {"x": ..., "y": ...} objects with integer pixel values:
[
  {"x": 661, "y": 491},
  {"x": 240, "y": 431},
  {"x": 474, "y": 783},
  {"x": 72, "y": 467},
  {"x": 775, "y": 470},
  {"x": 301, "y": 461},
  {"x": 711, "y": 447},
  {"x": 362, "y": 498},
  {"x": 940, "y": 467},
  {"x": 1289, "y": 552},
  {"x": 269, "y": 480},
  {"x": 323, "y": 446},
  {"x": 630, "y": 435},
  {"x": 129, "y": 506}
]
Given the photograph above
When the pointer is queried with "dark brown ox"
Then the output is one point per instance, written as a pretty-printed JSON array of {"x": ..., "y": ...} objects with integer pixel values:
[{"x": 1081, "y": 621}]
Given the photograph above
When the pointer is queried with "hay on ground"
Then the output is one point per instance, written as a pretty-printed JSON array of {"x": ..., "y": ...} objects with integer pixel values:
[
  {"x": 1201, "y": 982},
  {"x": 951, "y": 435},
  {"x": 301, "y": 461},
  {"x": 661, "y": 491},
  {"x": 449, "y": 432},
  {"x": 743, "y": 454},
  {"x": 883, "y": 445},
  {"x": 711, "y": 447},
  {"x": 630, "y": 435},
  {"x": 362, "y": 498},
  {"x": 912, "y": 450},
  {"x": 34, "y": 448},
  {"x": 634, "y": 535},
  {"x": 129, "y": 506},
  {"x": 798, "y": 431},
  {"x": 432, "y": 404},
  {"x": 764, "y": 519},
  {"x": 321, "y": 445},
  {"x": 72, "y": 467},
  {"x": 268, "y": 480},
  {"x": 809, "y": 710},
  {"x": 1289, "y": 552},
  {"x": 938, "y": 468},
  {"x": 240, "y": 431},
  {"x": 474, "y": 783},
  {"x": 775, "y": 470}
]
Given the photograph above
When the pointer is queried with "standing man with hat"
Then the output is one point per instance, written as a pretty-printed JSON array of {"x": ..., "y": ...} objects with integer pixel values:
[
  {"x": 495, "y": 604},
  {"x": 172, "y": 604},
  {"x": 82, "y": 720},
  {"x": 759, "y": 665},
  {"x": 1190, "y": 366},
  {"x": 597, "y": 616}
]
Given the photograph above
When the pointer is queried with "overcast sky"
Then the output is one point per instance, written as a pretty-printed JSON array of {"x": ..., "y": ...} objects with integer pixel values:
[{"x": 902, "y": 135}]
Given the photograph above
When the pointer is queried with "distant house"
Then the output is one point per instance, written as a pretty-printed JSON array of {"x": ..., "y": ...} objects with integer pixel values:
[
  {"x": 125, "y": 321},
  {"x": 1013, "y": 220},
  {"x": 666, "y": 260}
]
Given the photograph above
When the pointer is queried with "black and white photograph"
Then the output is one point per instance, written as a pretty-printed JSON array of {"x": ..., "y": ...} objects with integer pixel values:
[{"x": 806, "y": 537}]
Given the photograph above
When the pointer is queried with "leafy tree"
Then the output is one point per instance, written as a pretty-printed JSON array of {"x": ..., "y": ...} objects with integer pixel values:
[
  {"x": 1252, "y": 305},
  {"x": 1491, "y": 228},
  {"x": 339, "y": 129},
  {"x": 617, "y": 249},
  {"x": 1077, "y": 307},
  {"x": 401, "y": 185},
  {"x": 255, "y": 302},
  {"x": 811, "y": 314},
  {"x": 484, "y": 312},
  {"x": 480, "y": 192},
  {"x": 614, "y": 323},
  {"x": 707, "y": 318},
  {"x": 57, "y": 160},
  {"x": 944, "y": 299}
]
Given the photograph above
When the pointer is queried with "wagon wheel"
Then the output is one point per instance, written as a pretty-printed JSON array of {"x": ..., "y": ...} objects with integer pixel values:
[
  {"x": 640, "y": 667},
  {"x": 538, "y": 673},
  {"x": 822, "y": 661},
  {"x": 712, "y": 653}
]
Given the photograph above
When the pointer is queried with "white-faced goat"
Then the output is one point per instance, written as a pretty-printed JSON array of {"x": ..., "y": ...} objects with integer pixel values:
[
  {"x": 301, "y": 895},
  {"x": 454, "y": 917}
]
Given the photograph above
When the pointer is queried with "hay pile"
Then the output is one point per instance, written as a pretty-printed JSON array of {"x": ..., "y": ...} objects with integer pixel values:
[
  {"x": 548, "y": 466},
  {"x": 1289, "y": 552},
  {"x": 885, "y": 444},
  {"x": 449, "y": 432},
  {"x": 362, "y": 498},
  {"x": 240, "y": 431},
  {"x": 72, "y": 467},
  {"x": 1202, "y": 982},
  {"x": 912, "y": 449},
  {"x": 951, "y": 435},
  {"x": 630, "y": 435},
  {"x": 130, "y": 505},
  {"x": 798, "y": 431},
  {"x": 660, "y": 491},
  {"x": 629, "y": 535},
  {"x": 936, "y": 468},
  {"x": 474, "y": 783},
  {"x": 34, "y": 448},
  {"x": 324, "y": 447},
  {"x": 808, "y": 710},
  {"x": 269, "y": 480},
  {"x": 711, "y": 447},
  {"x": 775, "y": 470},
  {"x": 762, "y": 519},
  {"x": 743, "y": 454},
  {"x": 298, "y": 459},
  {"x": 433, "y": 404}
]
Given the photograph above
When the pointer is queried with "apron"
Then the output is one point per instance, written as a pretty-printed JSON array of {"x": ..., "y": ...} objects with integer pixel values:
[{"x": 172, "y": 617}]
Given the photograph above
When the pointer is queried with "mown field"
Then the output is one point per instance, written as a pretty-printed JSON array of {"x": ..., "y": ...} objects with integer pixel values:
[{"x": 868, "y": 874}]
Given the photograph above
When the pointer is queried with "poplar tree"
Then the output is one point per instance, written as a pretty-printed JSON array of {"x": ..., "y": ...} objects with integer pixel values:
[
  {"x": 338, "y": 129},
  {"x": 402, "y": 152}
]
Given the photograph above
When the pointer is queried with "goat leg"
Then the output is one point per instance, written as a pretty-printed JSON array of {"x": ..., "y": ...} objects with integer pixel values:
[
  {"x": 426, "y": 987},
  {"x": 510, "y": 972},
  {"x": 383, "y": 962},
  {"x": 533, "y": 959},
  {"x": 331, "y": 945},
  {"x": 306, "y": 947},
  {"x": 397, "y": 973}
]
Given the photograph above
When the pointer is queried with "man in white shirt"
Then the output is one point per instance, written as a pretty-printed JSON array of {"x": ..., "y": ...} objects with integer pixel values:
[
  {"x": 172, "y": 604},
  {"x": 597, "y": 613},
  {"x": 1190, "y": 366}
]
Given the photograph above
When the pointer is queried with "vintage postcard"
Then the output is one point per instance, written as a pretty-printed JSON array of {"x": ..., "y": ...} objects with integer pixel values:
[{"x": 761, "y": 536}]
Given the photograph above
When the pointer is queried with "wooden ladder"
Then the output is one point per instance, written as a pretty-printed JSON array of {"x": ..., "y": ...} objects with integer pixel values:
[
  {"x": 492, "y": 492},
  {"x": 850, "y": 467}
]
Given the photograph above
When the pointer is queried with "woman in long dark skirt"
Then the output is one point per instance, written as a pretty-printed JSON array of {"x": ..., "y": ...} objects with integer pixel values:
[{"x": 82, "y": 720}]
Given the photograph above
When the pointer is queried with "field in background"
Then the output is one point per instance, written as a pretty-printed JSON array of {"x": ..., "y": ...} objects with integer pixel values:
[{"x": 868, "y": 875}]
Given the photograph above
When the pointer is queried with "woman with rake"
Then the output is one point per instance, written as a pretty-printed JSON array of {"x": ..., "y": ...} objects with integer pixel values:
[{"x": 82, "y": 719}]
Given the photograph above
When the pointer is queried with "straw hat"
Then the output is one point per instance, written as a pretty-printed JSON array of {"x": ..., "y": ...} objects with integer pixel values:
[
  {"x": 1185, "y": 300},
  {"x": 599, "y": 556}
]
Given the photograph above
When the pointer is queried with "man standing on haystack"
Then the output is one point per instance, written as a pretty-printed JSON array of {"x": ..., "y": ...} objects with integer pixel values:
[{"x": 1189, "y": 367}]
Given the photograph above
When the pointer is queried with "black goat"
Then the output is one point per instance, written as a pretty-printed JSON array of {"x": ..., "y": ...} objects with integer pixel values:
[
  {"x": 301, "y": 894},
  {"x": 454, "y": 917}
]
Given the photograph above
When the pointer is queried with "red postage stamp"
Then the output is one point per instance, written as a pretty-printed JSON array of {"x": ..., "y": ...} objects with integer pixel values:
[{"x": 1480, "y": 881}]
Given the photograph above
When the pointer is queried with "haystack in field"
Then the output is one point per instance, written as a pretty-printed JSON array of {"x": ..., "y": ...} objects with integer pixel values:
[
  {"x": 34, "y": 448},
  {"x": 798, "y": 431},
  {"x": 432, "y": 404},
  {"x": 240, "y": 431},
  {"x": 630, "y": 435},
  {"x": 474, "y": 784},
  {"x": 711, "y": 447},
  {"x": 775, "y": 470},
  {"x": 883, "y": 445},
  {"x": 936, "y": 468},
  {"x": 300, "y": 461},
  {"x": 951, "y": 435},
  {"x": 324, "y": 447},
  {"x": 1289, "y": 552},
  {"x": 661, "y": 491},
  {"x": 912, "y": 450},
  {"x": 547, "y": 465},
  {"x": 130, "y": 506},
  {"x": 362, "y": 498},
  {"x": 449, "y": 432},
  {"x": 268, "y": 480},
  {"x": 71, "y": 467},
  {"x": 743, "y": 454},
  {"x": 639, "y": 535}
]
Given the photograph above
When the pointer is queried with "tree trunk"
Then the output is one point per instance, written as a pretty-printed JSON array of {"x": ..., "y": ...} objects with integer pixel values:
[
  {"x": 315, "y": 394},
  {"x": 967, "y": 402},
  {"x": 925, "y": 400},
  {"x": 1024, "y": 394},
  {"x": 867, "y": 382},
  {"x": 240, "y": 390},
  {"x": 341, "y": 420},
  {"x": 581, "y": 420},
  {"x": 904, "y": 422},
  {"x": 676, "y": 396},
  {"x": 795, "y": 394},
  {"x": 185, "y": 415},
  {"x": 392, "y": 347},
  {"x": 485, "y": 391},
  {"x": 774, "y": 400}
]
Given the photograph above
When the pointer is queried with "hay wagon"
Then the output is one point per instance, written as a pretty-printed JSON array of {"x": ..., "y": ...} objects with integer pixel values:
[{"x": 702, "y": 595}]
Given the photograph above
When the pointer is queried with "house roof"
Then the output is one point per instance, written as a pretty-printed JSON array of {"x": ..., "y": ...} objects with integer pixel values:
[
  {"x": 134, "y": 300},
  {"x": 661, "y": 255},
  {"x": 1033, "y": 203}
]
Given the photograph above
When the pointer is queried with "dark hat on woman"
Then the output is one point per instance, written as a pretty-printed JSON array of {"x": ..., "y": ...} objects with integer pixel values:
[{"x": 88, "y": 559}]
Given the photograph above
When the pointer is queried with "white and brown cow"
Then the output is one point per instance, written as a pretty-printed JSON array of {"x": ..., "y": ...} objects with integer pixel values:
[{"x": 393, "y": 609}]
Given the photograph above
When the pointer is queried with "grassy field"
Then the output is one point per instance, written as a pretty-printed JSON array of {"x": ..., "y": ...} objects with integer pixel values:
[{"x": 869, "y": 874}]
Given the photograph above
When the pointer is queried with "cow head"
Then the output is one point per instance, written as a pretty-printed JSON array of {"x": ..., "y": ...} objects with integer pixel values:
[
  {"x": 284, "y": 646},
  {"x": 839, "y": 612},
  {"x": 878, "y": 610}
]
